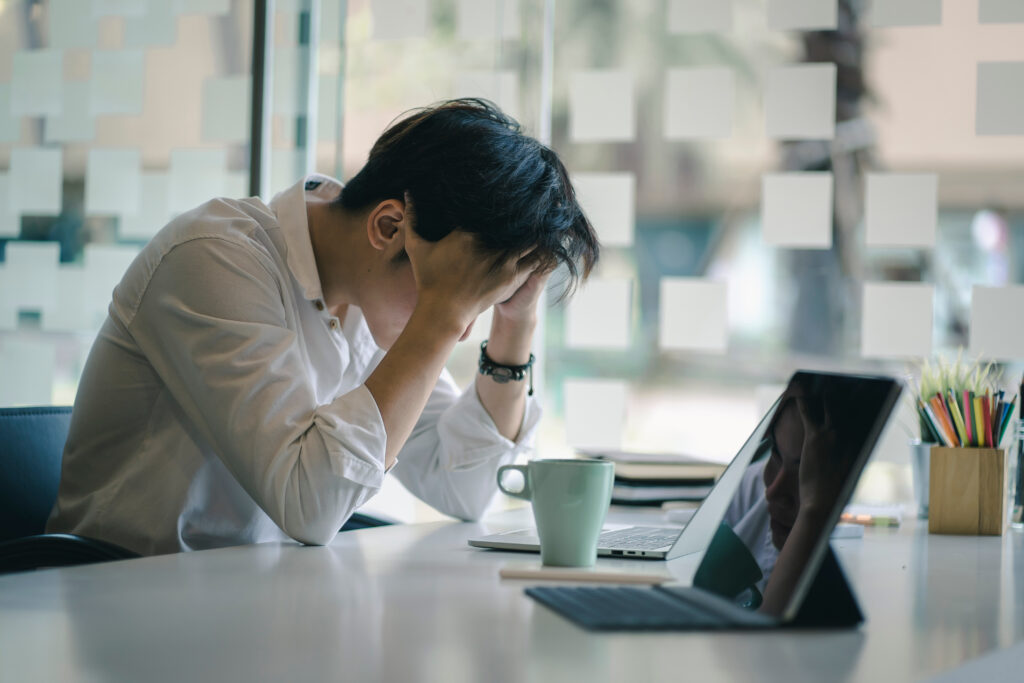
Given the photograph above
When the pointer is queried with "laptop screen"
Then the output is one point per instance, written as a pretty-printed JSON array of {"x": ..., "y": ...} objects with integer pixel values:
[{"x": 771, "y": 540}]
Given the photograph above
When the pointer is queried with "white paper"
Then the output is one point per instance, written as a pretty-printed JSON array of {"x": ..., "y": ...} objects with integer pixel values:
[
  {"x": 796, "y": 209},
  {"x": 487, "y": 19},
  {"x": 124, "y": 8},
  {"x": 997, "y": 326},
  {"x": 207, "y": 7},
  {"x": 602, "y": 106},
  {"x": 800, "y": 102},
  {"x": 35, "y": 179},
  {"x": 112, "y": 181},
  {"x": 599, "y": 315},
  {"x": 37, "y": 77},
  {"x": 802, "y": 15},
  {"x": 699, "y": 16},
  {"x": 157, "y": 27},
  {"x": 1000, "y": 11},
  {"x": 226, "y": 109},
  {"x": 71, "y": 24},
  {"x": 693, "y": 315},
  {"x": 74, "y": 123},
  {"x": 103, "y": 265},
  {"x": 609, "y": 201},
  {"x": 10, "y": 222},
  {"x": 117, "y": 82},
  {"x": 70, "y": 311},
  {"x": 27, "y": 368},
  {"x": 500, "y": 87},
  {"x": 30, "y": 275},
  {"x": 902, "y": 209},
  {"x": 699, "y": 103},
  {"x": 10, "y": 125},
  {"x": 154, "y": 208},
  {"x": 196, "y": 176},
  {"x": 905, "y": 12},
  {"x": 595, "y": 413},
  {"x": 1000, "y": 109},
  {"x": 896, "y": 320},
  {"x": 398, "y": 19}
]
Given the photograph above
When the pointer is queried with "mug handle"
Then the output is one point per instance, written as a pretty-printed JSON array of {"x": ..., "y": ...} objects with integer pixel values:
[{"x": 526, "y": 493}]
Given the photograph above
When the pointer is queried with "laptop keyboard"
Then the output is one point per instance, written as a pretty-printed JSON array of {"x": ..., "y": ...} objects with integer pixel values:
[
  {"x": 638, "y": 538},
  {"x": 625, "y": 608}
]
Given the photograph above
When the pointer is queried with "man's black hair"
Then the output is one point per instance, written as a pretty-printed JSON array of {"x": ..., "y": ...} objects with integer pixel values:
[{"x": 465, "y": 165}]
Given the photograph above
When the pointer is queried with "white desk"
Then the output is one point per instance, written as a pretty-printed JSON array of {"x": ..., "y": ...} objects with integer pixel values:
[{"x": 411, "y": 603}]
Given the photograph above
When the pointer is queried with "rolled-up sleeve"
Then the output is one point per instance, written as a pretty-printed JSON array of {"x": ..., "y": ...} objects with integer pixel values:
[
  {"x": 452, "y": 457},
  {"x": 213, "y": 324}
]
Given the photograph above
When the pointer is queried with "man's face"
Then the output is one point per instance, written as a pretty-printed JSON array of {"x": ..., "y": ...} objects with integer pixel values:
[{"x": 782, "y": 473}]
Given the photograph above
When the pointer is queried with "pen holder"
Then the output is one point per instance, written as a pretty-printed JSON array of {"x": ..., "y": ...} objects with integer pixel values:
[{"x": 967, "y": 491}]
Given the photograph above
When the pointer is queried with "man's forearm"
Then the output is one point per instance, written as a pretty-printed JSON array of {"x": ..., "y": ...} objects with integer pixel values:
[
  {"x": 404, "y": 379},
  {"x": 509, "y": 343}
]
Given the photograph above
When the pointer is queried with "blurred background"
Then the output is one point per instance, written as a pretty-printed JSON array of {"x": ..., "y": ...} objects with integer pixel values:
[{"x": 778, "y": 184}]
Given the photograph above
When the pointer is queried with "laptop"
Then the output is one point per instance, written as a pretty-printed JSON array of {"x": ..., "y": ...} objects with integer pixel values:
[
  {"x": 771, "y": 566},
  {"x": 655, "y": 542}
]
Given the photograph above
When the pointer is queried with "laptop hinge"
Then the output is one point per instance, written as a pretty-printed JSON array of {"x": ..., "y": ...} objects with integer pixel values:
[{"x": 829, "y": 601}]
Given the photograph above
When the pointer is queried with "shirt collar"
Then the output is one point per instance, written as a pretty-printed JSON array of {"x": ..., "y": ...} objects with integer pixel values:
[{"x": 290, "y": 208}]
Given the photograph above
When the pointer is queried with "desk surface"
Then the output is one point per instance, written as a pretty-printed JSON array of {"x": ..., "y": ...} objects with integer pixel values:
[{"x": 410, "y": 603}]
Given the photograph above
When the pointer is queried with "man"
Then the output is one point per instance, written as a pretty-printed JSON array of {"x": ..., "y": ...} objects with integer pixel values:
[{"x": 263, "y": 367}]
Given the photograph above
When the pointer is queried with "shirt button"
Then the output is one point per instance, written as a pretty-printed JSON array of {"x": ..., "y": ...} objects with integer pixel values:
[
  {"x": 334, "y": 324},
  {"x": 319, "y": 305}
]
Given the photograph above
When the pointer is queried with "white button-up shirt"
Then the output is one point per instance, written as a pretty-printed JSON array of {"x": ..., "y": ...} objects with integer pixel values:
[{"x": 223, "y": 404}]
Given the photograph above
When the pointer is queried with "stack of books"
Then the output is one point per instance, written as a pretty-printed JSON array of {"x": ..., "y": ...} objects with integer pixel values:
[{"x": 656, "y": 478}]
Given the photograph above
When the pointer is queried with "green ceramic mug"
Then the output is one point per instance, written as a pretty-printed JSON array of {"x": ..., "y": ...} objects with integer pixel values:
[{"x": 570, "y": 499}]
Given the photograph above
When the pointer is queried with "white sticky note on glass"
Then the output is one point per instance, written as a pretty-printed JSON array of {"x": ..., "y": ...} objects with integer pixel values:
[
  {"x": 27, "y": 368},
  {"x": 905, "y": 13},
  {"x": 112, "y": 181},
  {"x": 487, "y": 19},
  {"x": 104, "y": 265},
  {"x": 896, "y": 320},
  {"x": 595, "y": 413},
  {"x": 10, "y": 222},
  {"x": 398, "y": 19},
  {"x": 800, "y": 102},
  {"x": 157, "y": 27},
  {"x": 802, "y": 15},
  {"x": 71, "y": 24},
  {"x": 196, "y": 176},
  {"x": 117, "y": 82},
  {"x": 37, "y": 77},
  {"x": 35, "y": 180},
  {"x": 10, "y": 124},
  {"x": 997, "y": 328},
  {"x": 1000, "y": 11},
  {"x": 226, "y": 109},
  {"x": 902, "y": 209},
  {"x": 500, "y": 87},
  {"x": 327, "y": 121},
  {"x": 154, "y": 208},
  {"x": 609, "y": 201},
  {"x": 1000, "y": 107},
  {"x": 289, "y": 84},
  {"x": 693, "y": 315},
  {"x": 31, "y": 274},
  {"x": 699, "y": 16},
  {"x": 70, "y": 309},
  {"x": 207, "y": 7},
  {"x": 699, "y": 103},
  {"x": 796, "y": 209},
  {"x": 74, "y": 123},
  {"x": 599, "y": 315},
  {"x": 602, "y": 106}
]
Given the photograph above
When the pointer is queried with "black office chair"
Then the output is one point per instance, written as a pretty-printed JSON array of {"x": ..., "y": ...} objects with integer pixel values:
[{"x": 31, "y": 449}]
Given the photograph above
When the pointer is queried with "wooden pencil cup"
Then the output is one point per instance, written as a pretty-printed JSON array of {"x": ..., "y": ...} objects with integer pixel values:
[{"x": 967, "y": 491}]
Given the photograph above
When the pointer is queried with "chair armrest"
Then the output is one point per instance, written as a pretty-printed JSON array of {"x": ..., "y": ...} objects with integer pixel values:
[{"x": 57, "y": 550}]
